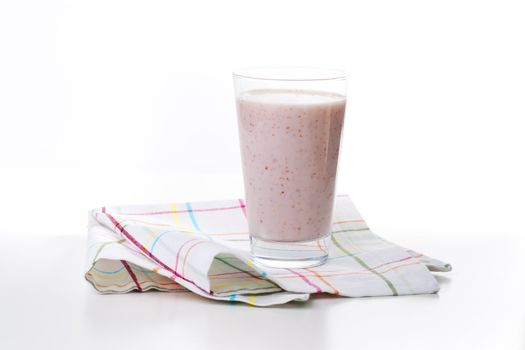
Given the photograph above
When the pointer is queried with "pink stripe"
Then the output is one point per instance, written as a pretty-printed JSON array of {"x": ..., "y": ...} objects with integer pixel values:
[
  {"x": 243, "y": 207},
  {"x": 303, "y": 277},
  {"x": 132, "y": 274},
  {"x": 164, "y": 212},
  {"x": 187, "y": 254},
  {"x": 178, "y": 252},
  {"x": 141, "y": 247}
]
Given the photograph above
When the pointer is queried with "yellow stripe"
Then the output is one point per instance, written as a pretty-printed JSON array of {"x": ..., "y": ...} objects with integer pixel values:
[
  {"x": 256, "y": 283},
  {"x": 251, "y": 300},
  {"x": 174, "y": 212},
  {"x": 178, "y": 222}
]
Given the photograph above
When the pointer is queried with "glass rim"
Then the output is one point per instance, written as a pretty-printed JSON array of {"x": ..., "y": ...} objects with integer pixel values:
[{"x": 290, "y": 74}]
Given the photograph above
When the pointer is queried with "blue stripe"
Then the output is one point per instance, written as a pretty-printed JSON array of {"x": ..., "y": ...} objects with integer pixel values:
[
  {"x": 192, "y": 217},
  {"x": 109, "y": 272},
  {"x": 122, "y": 268},
  {"x": 157, "y": 239},
  {"x": 233, "y": 297},
  {"x": 194, "y": 221}
]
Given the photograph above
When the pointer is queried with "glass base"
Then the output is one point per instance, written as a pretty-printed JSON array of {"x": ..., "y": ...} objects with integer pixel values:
[{"x": 287, "y": 255}]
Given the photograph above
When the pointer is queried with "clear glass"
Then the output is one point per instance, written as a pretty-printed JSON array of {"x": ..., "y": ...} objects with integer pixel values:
[{"x": 290, "y": 123}]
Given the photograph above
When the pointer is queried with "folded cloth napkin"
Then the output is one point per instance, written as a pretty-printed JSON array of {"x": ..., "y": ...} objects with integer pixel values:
[{"x": 204, "y": 247}]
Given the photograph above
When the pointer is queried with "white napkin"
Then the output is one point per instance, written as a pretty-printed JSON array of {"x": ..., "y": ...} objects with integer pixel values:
[{"x": 204, "y": 247}]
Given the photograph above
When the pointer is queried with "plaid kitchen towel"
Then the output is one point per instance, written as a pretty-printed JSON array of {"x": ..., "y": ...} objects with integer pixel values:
[{"x": 203, "y": 247}]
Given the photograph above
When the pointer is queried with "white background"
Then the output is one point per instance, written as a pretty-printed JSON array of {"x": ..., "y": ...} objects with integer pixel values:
[
  {"x": 112, "y": 102},
  {"x": 434, "y": 134}
]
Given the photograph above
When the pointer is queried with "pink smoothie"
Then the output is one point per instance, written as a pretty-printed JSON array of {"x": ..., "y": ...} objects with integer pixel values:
[{"x": 290, "y": 146}]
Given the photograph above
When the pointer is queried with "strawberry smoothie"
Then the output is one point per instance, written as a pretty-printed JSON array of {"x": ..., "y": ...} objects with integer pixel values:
[{"x": 290, "y": 146}]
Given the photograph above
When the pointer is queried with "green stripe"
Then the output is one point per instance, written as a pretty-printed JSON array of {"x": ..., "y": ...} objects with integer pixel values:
[
  {"x": 363, "y": 264},
  {"x": 258, "y": 278},
  {"x": 102, "y": 246},
  {"x": 352, "y": 230}
]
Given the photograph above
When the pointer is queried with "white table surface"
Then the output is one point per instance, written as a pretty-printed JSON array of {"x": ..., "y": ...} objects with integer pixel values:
[{"x": 45, "y": 302}]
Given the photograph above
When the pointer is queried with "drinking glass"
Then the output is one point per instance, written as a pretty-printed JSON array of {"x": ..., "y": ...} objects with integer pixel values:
[{"x": 290, "y": 123}]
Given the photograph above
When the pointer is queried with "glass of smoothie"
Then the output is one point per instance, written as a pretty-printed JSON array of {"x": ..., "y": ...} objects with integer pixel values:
[{"x": 290, "y": 122}]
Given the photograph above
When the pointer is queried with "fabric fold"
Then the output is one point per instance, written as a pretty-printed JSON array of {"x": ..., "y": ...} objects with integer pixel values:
[{"x": 203, "y": 247}]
